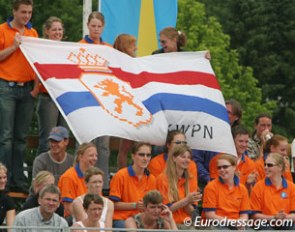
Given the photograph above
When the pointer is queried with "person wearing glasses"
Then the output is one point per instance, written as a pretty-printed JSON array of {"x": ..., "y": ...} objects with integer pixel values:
[
  {"x": 158, "y": 163},
  {"x": 129, "y": 185},
  {"x": 276, "y": 144},
  {"x": 179, "y": 187},
  {"x": 94, "y": 181},
  {"x": 273, "y": 198},
  {"x": 225, "y": 198}
]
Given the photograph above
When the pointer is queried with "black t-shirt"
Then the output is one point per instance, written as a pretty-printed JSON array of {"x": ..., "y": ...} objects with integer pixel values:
[{"x": 6, "y": 204}]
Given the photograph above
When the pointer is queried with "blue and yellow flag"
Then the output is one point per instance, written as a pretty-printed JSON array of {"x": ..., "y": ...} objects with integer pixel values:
[{"x": 143, "y": 19}]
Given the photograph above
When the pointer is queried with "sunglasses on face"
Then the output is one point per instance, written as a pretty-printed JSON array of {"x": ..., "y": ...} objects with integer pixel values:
[
  {"x": 223, "y": 167},
  {"x": 180, "y": 142},
  {"x": 148, "y": 155},
  {"x": 269, "y": 165}
]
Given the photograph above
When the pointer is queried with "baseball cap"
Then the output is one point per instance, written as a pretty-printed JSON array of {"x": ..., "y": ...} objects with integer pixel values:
[{"x": 58, "y": 133}]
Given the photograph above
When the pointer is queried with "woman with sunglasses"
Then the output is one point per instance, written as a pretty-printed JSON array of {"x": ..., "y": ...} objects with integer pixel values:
[
  {"x": 225, "y": 198},
  {"x": 94, "y": 181},
  {"x": 178, "y": 187},
  {"x": 273, "y": 197},
  {"x": 276, "y": 144},
  {"x": 158, "y": 163},
  {"x": 129, "y": 185}
]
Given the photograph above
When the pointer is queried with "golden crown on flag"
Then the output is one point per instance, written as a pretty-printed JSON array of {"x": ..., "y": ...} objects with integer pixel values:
[{"x": 89, "y": 62}]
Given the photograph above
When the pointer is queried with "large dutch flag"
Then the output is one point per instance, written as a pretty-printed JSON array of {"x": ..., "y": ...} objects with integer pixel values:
[
  {"x": 101, "y": 91},
  {"x": 143, "y": 19}
]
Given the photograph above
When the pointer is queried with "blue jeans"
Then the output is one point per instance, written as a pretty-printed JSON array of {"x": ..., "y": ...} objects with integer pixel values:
[
  {"x": 16, "y": 111},
  {"x": 118, "y": 223},
  {"x": 48, "y": 117},
  {"x": 103, "y": 149}
]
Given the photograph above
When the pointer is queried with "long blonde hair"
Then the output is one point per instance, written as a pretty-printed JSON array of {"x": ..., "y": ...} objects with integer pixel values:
[{"x": 172, "y": 173}]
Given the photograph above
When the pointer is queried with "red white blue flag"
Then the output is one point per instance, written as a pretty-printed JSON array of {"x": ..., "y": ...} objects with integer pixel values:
[{"x": 101, "y": 91}]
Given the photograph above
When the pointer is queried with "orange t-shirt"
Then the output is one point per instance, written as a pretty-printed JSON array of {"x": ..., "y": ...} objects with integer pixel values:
[
  {"x": 72, "y": 184},
  {"x": 126, "y": 187},
  {"x": 163, "y": 186},
  {"x": 15, "y": 67},
  {"x": 226, "y": 202},
  {"x": 267, "y": 199},
  {"x": 158, "y": 163}
]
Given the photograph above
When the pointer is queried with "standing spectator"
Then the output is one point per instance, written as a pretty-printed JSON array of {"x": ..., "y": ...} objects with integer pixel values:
[
  {"x": 71, "y": 183},
  {"x": 155, "y": 215},
  {"x": 42, "y": 179},
  {"x": 127, "y": 44},
  {"x": 273, "y": 198},
  {"x": 93, "y": 206},
  {"x": 225, "y": 198},
  {"x": 7, "y": 205},
  {"x": 19, "y": 87},
  {"x": 263, "y": 126},
  {"x": 56, "y": 160},
  {"x": 94, "y": 182},
  {"x": 130, "y": 184},
  {"x": 95, "y": 26},
  {"x": 179, "y": 187},
  {"x": 48, "y": 114},
  {"x": 43, "y": 215},
  {"x": 234, "y": 111}
]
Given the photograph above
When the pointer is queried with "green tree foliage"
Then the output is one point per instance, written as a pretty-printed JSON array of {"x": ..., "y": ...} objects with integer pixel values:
[
  {"x": 263, "y": 33},
  {"x": 205, "y": 33}
]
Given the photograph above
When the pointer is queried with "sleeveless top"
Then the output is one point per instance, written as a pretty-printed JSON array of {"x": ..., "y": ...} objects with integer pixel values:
[
  {"x": 83, "y": 226},
  {"x": 139, "y": 224},
  {"x": 103, "y": 217}
]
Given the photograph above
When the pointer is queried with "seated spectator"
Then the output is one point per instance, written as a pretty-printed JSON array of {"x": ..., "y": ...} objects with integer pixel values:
[
  {"x": 71, "y": 183},
  {"x": 56, "y": 160},
  {"x": 43, "y": 215},
  {"x": 274, "y": 196},
  {"x": 276, "y": 144},
  {"x": 130, "y": 184},
  {"x": 178, "y": 186},
  {"x": 246, "y": 168},
  {"x": 94, "y": 181},
  {"x": 158, "y": 163},
  {"x": 93, "y": 206},
  {"x": 155, "y": 214},
  {"x": 225, "y": 198},
  {"x": 263, "y": 126},
  {"x": 42, "y": 179},
  {"x": 7, "y": 206}
]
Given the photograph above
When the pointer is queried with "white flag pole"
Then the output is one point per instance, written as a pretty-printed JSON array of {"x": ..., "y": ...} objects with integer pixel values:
[{"x": 87, "y": 9}]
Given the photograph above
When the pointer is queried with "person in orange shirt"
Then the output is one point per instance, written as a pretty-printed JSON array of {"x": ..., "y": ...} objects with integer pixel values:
[
  {"x": 19, "y": 88},
  {"x": 95, "y": 25},
  {"x": 48, "y": 114},
  {"x": 276, "y": 144},
  {"x": 129, "y": 185},
  {"x": 71, "y": 183},
  {"x": 158, "y": 163},
  {"x": 225, "y": 198},
  {"x": 246, "y": 168},
  {"x": 178, "y": 186},
  {"x": 273, "y": 197}
]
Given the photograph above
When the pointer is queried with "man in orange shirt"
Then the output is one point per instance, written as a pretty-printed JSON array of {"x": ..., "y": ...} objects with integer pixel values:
[{"x": 18, "y": 89}]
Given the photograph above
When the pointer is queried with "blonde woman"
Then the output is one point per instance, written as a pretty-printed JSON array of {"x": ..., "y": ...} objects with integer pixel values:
[
  {"x": 94, "y": 181},
  {"x": 71, "y": 183},
  {"x": 178, "y": 186},
  {"x": 7, "y": 206}
]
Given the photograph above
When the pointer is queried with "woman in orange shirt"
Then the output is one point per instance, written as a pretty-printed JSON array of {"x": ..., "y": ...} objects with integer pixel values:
[
  {"x": 225, "y": 198},
  {"x": 179, "y": 187}
]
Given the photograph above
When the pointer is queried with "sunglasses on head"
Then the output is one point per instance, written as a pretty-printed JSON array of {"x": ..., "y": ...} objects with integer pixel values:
[
  {"x": 269, "y": 165},
  {"x": 148, "y": 155},
  {"x": 223, "y": 167},
  {"x": 180, "y": 142}
]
